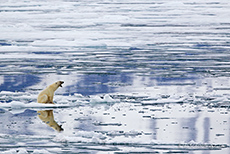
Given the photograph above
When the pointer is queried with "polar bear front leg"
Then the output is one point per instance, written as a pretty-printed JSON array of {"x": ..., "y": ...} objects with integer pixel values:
[{"x": 50, "y": 100}]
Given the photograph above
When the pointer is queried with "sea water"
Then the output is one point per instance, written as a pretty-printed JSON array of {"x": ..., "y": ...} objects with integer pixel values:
[{"x": 140, "y": 76}]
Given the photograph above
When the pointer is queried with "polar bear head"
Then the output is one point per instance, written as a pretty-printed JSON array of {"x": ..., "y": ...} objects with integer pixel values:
[
  {"x": 59, "y": 83},
  {"x": 55, "y": 85}
]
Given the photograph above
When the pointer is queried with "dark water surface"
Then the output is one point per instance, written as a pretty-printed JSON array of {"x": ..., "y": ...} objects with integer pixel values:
[{"x": 148, "y": 77}]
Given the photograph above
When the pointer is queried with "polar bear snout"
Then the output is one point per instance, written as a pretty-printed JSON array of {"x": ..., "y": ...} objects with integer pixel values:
[{"x": 60, "y": 83}]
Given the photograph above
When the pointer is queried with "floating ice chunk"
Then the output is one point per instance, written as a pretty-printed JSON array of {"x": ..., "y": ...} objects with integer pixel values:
[
  {"x": 109, "y": 99},
  {"x": 96, "y": 99},
  {"x": 17, "y": 105},
  {"x": 106, "y": 99},
  {"x": 78, "y": 95}
]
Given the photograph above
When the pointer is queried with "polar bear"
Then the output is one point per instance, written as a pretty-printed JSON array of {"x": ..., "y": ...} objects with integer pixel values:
[
  {"x": 47, "y": 117},
  {"x": 46, "y": 96}
]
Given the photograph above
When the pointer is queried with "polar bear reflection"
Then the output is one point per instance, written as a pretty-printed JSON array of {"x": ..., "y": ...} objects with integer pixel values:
[{"x": 47, "y": 117}]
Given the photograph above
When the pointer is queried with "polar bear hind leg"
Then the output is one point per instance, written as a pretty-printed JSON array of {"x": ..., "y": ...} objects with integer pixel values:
[{"x": 43, "y": 99}]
